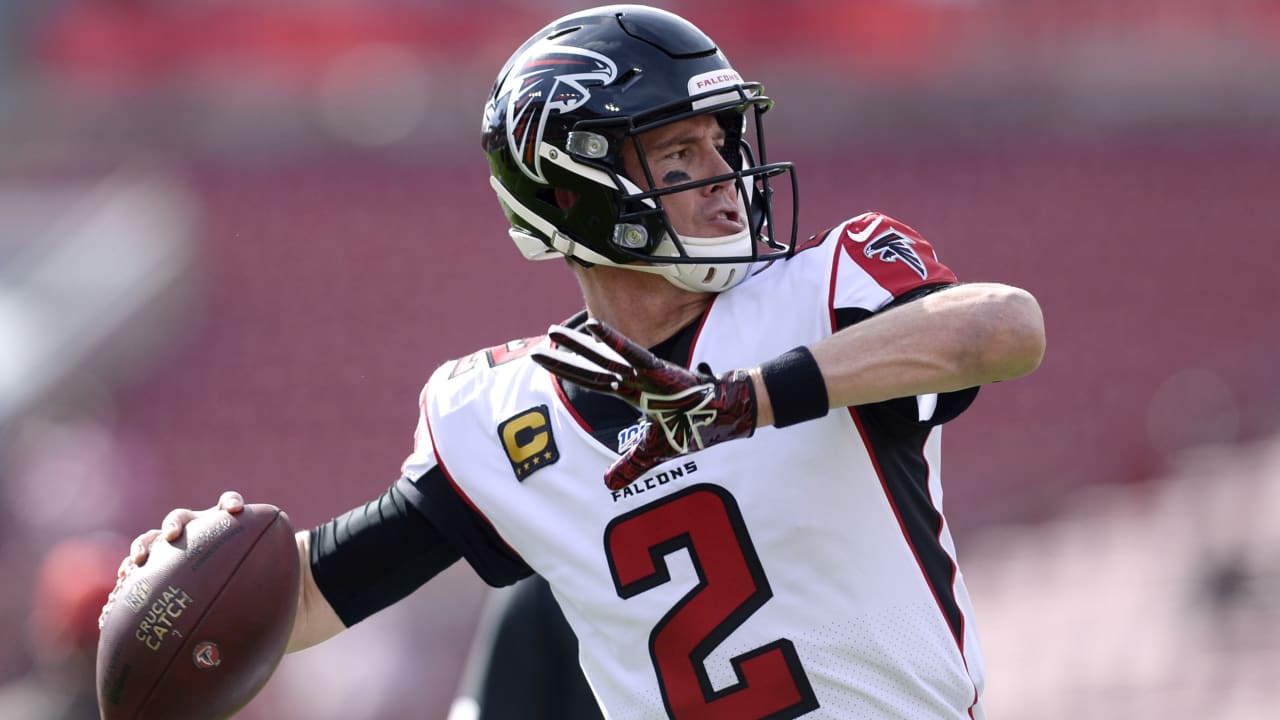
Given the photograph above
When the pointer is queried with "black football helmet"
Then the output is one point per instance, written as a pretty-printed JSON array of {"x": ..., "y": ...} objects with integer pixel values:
[{"x": 558, "y": 117}]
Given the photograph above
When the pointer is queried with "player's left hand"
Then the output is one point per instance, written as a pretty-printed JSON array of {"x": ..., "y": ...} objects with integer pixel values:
[{"x": 686, "y": 410}]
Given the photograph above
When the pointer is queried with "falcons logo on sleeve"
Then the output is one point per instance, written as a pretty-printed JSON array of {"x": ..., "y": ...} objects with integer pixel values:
[
  {"x": 548, "y": 80},
  {"x": 892, "y": 246}
]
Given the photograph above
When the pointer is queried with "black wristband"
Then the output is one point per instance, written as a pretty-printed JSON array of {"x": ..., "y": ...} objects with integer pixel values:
[{"x": 797, "y": 390}]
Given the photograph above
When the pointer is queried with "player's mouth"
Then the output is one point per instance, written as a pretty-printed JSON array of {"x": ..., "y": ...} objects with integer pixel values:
[{"x": 726, "y": 221}]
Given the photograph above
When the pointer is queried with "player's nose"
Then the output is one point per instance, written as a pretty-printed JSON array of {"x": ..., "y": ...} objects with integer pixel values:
[{"x": 717, "y": 166}]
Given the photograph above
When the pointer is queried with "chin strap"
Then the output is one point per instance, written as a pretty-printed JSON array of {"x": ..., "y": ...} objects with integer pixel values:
[
  {"x": 708, "y": 277},
  {"x": 694, "y": 277}
]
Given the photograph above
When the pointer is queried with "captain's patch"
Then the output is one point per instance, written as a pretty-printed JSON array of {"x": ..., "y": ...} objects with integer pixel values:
[{"x": 528, "y": 441}]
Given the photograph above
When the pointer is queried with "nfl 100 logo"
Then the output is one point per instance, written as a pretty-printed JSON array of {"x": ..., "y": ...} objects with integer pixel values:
[{"x": 628, "y": 437}]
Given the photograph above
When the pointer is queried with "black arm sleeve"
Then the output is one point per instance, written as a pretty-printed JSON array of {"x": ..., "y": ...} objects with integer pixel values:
[
  {"x": 433, "y": 495},
  {"x": 375, "y": 555}
]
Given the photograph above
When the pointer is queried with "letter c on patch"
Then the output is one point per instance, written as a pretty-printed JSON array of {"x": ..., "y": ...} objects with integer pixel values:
[{"x": 527, "y": 440}]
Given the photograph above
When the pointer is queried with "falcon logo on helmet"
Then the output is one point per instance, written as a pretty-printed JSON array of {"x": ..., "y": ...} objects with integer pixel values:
[
  {"x": 892, "y": 247},
  {"x": 545, "y": 81}
]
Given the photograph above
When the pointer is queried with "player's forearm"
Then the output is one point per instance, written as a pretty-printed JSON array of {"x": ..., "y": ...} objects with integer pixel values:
[
  {"x": 957, "y": 338},
  {"x": 316, "y": 620}
]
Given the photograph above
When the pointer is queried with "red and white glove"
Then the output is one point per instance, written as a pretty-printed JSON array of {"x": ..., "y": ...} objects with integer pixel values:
[{"x": 686, "y": 410}]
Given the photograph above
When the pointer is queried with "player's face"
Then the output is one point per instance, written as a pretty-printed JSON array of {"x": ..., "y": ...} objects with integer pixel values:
[{"x": 683, "y": 152}]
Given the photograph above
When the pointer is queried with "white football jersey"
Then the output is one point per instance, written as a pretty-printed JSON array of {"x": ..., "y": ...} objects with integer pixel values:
[{"x": 805, "y": 571}]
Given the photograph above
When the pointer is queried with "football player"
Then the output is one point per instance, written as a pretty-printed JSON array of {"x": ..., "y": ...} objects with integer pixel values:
[{"x": 727, "y": 466}]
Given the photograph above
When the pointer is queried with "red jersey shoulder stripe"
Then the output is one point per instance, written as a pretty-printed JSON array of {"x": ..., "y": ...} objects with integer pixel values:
[{"x": 897, "y": 257}]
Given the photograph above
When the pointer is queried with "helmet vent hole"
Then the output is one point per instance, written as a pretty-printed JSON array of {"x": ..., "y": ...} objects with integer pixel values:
[{"x": 628, "y": 77}]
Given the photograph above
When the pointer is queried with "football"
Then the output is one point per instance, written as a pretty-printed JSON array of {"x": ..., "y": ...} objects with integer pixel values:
[{"x": 196, "y": 630}]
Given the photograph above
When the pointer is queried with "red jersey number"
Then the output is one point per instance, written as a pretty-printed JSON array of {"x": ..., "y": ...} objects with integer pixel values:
[
  {"x": 704, "y": 521},
  {"x": 495, "y": 356}
]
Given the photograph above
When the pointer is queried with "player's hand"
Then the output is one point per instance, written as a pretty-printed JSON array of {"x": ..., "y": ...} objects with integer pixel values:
[
  {"x": 686, "y": 410},
  {"x": 171, "y": 528}
]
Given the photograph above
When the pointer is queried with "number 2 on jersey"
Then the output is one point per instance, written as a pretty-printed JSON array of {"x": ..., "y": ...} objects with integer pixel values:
[{"x": 704, "y": 520}]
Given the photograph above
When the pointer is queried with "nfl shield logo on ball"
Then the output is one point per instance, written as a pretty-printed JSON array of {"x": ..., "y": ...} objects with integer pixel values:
[{"x": 207, "y": 655}]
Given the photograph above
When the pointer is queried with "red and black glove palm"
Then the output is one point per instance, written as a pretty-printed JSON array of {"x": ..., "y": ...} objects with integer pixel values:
[{"x": 686, "y": 410}]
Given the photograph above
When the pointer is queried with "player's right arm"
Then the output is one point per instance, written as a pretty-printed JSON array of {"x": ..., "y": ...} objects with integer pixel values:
[
  {"x": 352, "y": 566},
  {"x": 374, "y": 555},
  {"x": 316, "y": 620}
]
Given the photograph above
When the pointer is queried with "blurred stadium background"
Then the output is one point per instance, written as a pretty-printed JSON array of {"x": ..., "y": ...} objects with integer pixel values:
[{"x": 236, "y": 237}]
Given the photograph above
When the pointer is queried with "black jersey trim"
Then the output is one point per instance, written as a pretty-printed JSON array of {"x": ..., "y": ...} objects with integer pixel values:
[
  {"x": 903, "y": 470},
  {"x": 443, "y": 502},
  {"x": 436, "y": 496},
  {"x": 894, "y": 439}
]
